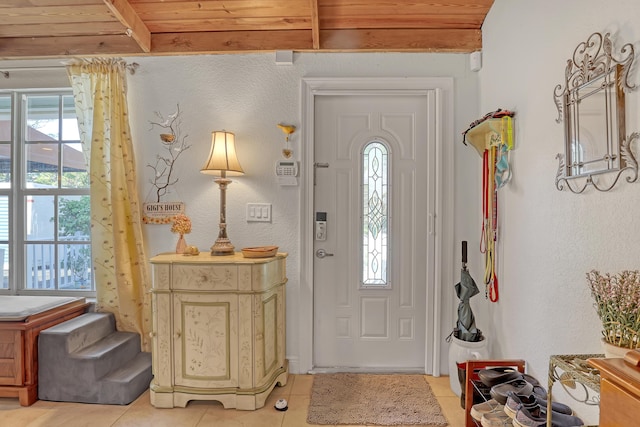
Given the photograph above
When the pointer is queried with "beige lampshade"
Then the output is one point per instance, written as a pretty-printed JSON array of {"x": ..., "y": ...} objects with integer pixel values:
[{"x": 222, "y": 156}]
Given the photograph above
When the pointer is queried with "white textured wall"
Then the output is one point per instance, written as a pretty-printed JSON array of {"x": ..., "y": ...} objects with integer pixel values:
[
  {"x": 249, "y": 95},
  {"x": 550, "y": 239}
]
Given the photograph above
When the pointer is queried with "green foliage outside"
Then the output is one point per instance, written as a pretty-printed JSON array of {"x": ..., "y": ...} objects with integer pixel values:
[
  {"x": 74, "y": 216},
  {"x": 74, "y": 219},
  {"x": 69, "y": 179}
]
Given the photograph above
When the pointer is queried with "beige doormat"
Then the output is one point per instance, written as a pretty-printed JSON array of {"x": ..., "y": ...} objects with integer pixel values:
[{"x": 373, "y": 399}]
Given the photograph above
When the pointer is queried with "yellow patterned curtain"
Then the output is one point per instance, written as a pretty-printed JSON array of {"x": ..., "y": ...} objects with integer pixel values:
[{"x": 119, "y": 261}]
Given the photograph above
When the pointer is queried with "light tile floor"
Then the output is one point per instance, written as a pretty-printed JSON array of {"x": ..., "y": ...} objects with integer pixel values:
[{"x": 140, "y": 413}]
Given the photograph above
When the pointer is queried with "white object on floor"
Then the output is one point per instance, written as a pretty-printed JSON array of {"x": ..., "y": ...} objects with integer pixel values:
[{"x": 281, "y": 405}]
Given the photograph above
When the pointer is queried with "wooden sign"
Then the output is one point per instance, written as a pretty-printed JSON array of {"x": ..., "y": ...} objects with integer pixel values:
[{"x": 161, "y": 213}]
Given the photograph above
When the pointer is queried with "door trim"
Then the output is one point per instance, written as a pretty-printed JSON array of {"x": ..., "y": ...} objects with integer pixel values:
[{"x": 440, "y": 217}]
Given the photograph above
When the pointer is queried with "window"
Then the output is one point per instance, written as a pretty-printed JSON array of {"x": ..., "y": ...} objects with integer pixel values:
[
  {"x": 375, "y": 215},
  {"x": 44, "y": 196}
]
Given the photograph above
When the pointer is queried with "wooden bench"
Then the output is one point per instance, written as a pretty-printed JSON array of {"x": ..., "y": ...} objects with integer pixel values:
[{"x": 21, "y": 320}]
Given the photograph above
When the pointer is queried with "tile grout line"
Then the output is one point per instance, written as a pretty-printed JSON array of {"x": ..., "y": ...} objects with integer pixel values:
[{"x": 293, "y": 380}]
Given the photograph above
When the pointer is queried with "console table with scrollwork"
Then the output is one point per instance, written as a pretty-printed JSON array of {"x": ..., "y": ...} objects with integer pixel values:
[{"x": 576, "y": 376}]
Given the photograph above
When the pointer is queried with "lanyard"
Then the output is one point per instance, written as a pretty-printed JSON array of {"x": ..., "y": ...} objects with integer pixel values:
[{"x": 488, "y": 236}]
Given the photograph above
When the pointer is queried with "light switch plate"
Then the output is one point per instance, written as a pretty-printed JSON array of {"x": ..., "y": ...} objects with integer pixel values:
[{"x": 258, "y": 212}]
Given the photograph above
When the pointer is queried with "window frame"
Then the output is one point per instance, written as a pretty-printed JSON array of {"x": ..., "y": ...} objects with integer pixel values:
[{"x": 17, "y": 193}]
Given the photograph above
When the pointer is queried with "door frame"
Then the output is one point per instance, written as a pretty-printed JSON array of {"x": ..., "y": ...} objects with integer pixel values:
[{"x": 440, "y": 219}]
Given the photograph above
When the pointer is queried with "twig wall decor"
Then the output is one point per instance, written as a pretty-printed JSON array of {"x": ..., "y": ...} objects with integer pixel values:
[{"x": 174, "y": 144}]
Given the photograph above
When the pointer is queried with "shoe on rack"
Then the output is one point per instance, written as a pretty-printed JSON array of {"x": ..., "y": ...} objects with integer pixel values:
[
  {"x": 538, "y": 418},
  {"x": 538, "y": 390},
  {"x": 518, "y": 386},
  {"x": 496, "y": 419},
  {"x": 479, "y": 409},
  {"x": 495, "y": 376},
  {"x": 530, "y": 402},
  {"x": 531, "y": 379}
]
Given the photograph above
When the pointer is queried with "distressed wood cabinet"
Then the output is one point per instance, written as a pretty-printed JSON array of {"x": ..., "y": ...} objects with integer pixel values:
[
  {"x": 619, "y": 391},
  {"x": 218, "y": 329}
]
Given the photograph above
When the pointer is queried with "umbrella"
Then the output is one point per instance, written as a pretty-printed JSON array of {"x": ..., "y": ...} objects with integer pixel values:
[{"x": 466, "y": 326}]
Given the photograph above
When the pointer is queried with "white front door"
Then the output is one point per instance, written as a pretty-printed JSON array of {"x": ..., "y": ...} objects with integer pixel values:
[{"x": 374, "y": 180}]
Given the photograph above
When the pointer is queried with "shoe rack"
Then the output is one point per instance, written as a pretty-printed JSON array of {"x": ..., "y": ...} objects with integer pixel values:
[{"x": 472, "y": 368}]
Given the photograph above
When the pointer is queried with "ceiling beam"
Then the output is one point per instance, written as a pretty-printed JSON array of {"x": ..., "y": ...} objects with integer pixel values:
[
  {"x": 230, "y": 41},
  {"x": 55, "y": 47},
  {"x": 315, "y": 24},
  {"x": 460, "y": 41},
  {"x": 402, "y": 40},
  {"x": 136, "y": 28},
  {"x": 409, "y": 40},
  {"x": 62, "y": 30}
]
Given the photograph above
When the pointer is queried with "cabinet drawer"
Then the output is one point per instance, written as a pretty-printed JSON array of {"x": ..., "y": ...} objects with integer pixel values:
[
  {"x": 11, "y": 349},
  {"x": 200, "y": 277},
  {"x": 267, "y": 275}
]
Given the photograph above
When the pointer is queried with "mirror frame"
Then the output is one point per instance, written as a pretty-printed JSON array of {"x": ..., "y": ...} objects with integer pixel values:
[{"x": 593, "y": 73}]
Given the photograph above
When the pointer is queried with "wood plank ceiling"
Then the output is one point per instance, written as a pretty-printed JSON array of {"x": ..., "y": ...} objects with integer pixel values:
[{"x": 59, "y": 28}]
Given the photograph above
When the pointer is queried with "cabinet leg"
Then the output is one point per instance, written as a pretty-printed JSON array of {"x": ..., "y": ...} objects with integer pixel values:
[{"x": 28, "y": 395}]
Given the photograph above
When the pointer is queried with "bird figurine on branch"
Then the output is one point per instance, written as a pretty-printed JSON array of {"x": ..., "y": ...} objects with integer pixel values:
[{"x": 287, "y": 130}]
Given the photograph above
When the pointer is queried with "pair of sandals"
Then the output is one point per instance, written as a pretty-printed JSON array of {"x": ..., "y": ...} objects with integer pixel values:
[
  {"x": 499, "y": 375},
  {"x": 502, "y": 380}
]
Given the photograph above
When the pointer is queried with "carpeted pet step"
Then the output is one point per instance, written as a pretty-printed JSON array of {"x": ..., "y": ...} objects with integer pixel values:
[
  {"x": 126, "y": 383},
  {"x": 100, "y": 358},
  {"x": 86, "y": 360},
  {"x": 82, "y": 331}
]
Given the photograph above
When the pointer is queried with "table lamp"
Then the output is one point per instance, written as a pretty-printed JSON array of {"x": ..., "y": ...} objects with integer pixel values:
[{"x": 222, "y": 159}]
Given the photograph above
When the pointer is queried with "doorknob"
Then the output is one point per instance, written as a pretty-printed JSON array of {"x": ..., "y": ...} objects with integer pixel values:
[{"x": 321, "y": 253}]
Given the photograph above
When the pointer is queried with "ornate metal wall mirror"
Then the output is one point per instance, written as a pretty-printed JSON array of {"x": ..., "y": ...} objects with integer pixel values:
[{"x": 591, "y": 104}]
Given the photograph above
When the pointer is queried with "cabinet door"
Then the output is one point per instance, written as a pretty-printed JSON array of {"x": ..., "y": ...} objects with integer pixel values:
[
  {"x": 269, "y": 338},
  {"x": 206, "y": 340}
]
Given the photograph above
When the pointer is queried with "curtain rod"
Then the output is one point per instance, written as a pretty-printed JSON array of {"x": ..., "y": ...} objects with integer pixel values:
[{"x": 6, "y": 72}]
